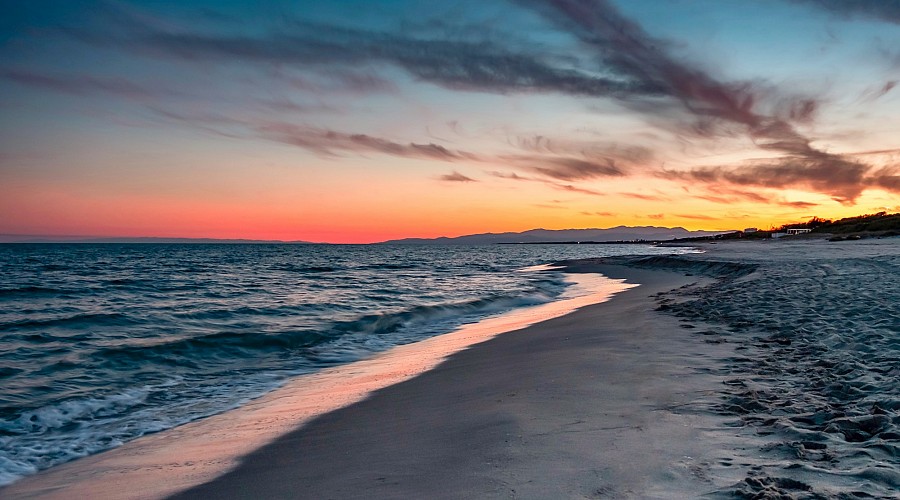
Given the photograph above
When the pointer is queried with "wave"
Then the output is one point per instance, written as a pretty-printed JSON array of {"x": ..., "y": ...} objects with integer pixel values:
[
  {"x": 53, "y": 434},
  {"x": 89, "y": 319},
  {"x": 243, "y": 344},
  {"x": 307, "y": 269},
  {"x": 30, "y": 290},
  {"x": 216, "y": 345},
  {"x": 378, "y": 324}
]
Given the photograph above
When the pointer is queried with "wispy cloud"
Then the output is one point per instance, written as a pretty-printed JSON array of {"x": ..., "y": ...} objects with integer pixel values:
[
  {"x": 799, "y": 204},
  {"x": 887, "y": 178},
  {"x": 594, "y": 149},
  {"x": 456, "y": 177},
  {"x": 462, "y": 63},
  {"x": 555, "y": 185},
  {"x": 696, "y": 216},
  {"x": 574, "y": 189},
  {"x": 646, "y": 197},
  {"x": 509, "y": 175},
  {"x": 565, "y": 168},
  {"x": 841, "y": 178},
  {"x": 81, "y": 85},
  {"x": 330, "y": 142}
]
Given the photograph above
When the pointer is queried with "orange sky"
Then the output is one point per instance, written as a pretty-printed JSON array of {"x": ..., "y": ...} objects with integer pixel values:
[{"x": 347, "y": 122}]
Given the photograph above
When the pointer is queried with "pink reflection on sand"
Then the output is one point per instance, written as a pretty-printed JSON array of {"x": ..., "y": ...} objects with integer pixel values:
[{"x": 161, "y": 464}]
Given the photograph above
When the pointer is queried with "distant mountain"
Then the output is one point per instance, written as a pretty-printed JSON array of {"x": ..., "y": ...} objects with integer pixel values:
[
  {"x": 18, "y": 238},
  {"x": 620, "y": 233}
]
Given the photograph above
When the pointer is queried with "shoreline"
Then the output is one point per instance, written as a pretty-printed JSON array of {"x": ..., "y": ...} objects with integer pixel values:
[
  {"x": 160, "y": 464},
  {"x": 580, "y": 405}
]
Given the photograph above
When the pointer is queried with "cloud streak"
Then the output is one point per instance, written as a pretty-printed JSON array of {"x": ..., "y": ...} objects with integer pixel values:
[
  {"x": 456, "y": 64},
  {"x": 329, "y": 143},
  {"x": 565, "y": 168},
  {"x": 456, "y": 177},
  {"x": 843, "y": 179},
  {"x": 82, "y": 85}
]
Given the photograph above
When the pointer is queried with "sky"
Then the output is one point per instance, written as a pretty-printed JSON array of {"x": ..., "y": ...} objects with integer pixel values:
[{"x": 359, "y": 120}]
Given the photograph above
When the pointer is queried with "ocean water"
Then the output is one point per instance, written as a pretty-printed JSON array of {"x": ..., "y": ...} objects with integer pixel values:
[{"x": 104, "y": 343}]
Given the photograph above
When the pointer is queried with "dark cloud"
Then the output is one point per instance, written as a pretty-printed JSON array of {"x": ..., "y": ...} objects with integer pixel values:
[
  {"x": 574, "y": 189},
  {"x": 798, "y": 204},
  {"x": 565, "y": 168},
  {"x": 509, "y": 175},
  {"x": 601, "y": 214},
  {"x": 595, "y": 150},
  {"x": 843, "y": 179},
  {"x": 877, "y": 93},
  {"x": 625, "y": 47},
  {"x": 656, "y": 216},
  {"x": 453, "y": 63},
  {"x": 887, "y": 179},
  {"x": 722, "y": 194},
  {"x": 330, "y": 142},
  {"x": 885, "y": 10},
  {"x": 456, "y": 177}
]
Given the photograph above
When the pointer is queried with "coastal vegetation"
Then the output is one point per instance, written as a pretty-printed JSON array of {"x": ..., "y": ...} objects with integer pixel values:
[
  {"x": 878, "y": 224},
  {"x": 881, "y": 224}
]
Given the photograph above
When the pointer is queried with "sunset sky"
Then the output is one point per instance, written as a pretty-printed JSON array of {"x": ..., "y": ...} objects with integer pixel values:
[{"x": 360, "y": 121}]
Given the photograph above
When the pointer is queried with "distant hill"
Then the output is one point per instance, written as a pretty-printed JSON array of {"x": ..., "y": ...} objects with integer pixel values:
[
  {"x": 18, "y": 238},
  {"x": 620, "y": 233}
]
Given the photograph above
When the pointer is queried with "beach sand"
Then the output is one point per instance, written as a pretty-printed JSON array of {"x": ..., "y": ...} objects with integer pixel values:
[{"x": 754, "y": 370}]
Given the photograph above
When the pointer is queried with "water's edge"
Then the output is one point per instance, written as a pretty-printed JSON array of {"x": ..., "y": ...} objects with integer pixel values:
[{"x": 157, "y": 465}]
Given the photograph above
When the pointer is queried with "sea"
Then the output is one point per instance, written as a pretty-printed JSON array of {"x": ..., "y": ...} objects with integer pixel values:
[{"x": 104, "y": 343}]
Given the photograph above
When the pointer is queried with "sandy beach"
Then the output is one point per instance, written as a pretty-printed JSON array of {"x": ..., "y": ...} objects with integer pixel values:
[{"x": 752, "y": 370}]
